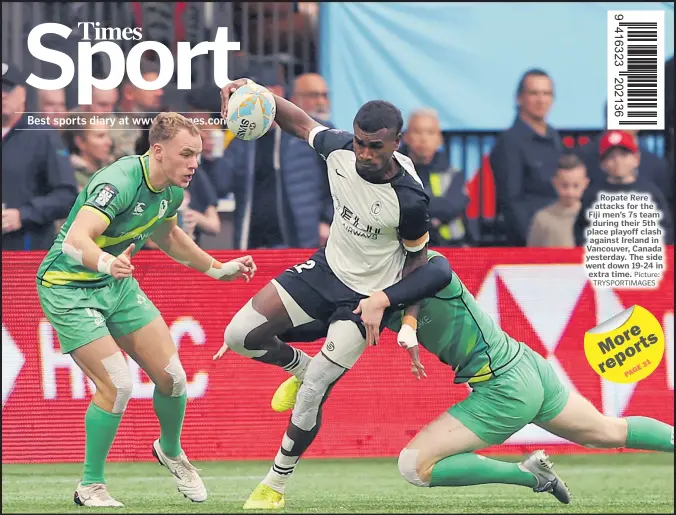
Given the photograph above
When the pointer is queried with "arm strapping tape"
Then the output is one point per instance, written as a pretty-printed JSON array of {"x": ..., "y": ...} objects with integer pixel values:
[
  {"x": 105, "y": 263},
  {"x": 229, "y": 268}
]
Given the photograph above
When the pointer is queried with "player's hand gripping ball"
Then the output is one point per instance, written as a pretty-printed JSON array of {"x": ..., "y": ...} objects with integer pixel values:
[{"x": 251, "y": 111}]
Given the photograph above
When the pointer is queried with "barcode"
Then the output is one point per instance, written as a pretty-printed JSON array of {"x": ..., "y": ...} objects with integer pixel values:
[{"x": 636, "y": 70}]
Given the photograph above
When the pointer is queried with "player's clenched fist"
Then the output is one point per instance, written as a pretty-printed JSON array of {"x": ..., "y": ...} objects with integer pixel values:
[{"x": 119, "y": 267}]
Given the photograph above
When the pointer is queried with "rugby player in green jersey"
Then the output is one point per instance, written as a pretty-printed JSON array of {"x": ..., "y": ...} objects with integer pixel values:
[
  {"x": 89, "y": 295},
  {"x": 512, "y": 386}
]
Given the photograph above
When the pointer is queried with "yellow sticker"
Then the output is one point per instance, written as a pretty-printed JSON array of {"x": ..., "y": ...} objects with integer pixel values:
[{"x": 626, "y": 348}]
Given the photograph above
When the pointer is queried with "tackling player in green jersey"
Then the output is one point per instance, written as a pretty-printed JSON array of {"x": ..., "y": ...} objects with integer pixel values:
[
  {"x": 512, "y": 386},
  {"x": 88, "y": 293}
]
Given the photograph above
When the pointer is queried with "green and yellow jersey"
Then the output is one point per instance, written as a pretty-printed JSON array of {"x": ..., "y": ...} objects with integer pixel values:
[
  {"x": 452, "y": 326},
  {"x": 122, "y": 194}
]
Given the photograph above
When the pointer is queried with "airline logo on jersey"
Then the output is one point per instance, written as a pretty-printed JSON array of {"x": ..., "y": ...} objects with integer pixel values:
[
  {"x": 163, "y": 208},
  {"x": 353, "y": 226},
  {"x": 106, "y": 195},
  {"x": 139, "y": 208}
]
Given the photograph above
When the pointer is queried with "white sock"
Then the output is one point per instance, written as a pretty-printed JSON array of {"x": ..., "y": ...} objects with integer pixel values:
[
  {"x": 281, "y": 471},
  {"x": 298, "y": 364}
]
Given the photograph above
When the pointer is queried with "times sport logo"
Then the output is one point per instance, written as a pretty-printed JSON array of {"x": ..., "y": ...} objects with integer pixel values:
[{"x": 105, "y": 39}]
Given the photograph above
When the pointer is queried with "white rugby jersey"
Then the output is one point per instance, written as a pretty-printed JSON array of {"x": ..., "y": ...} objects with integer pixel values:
[{"x": 373, "y": 222}]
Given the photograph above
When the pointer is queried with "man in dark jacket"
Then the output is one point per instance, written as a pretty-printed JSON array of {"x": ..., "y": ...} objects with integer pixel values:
[
  {"x": 525, "y": 158},
  {"x": 38, "y": 182},
  {"x": 444, "y": 185},
  {"x": 277, "y": 183}
]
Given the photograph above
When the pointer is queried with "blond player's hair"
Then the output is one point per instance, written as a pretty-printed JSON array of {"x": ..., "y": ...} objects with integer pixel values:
[{"x": 166, "y": 126}]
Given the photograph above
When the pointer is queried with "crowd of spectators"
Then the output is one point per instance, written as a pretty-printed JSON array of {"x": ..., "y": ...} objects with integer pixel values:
[
  {"x": 543, "y": 188},
  {"x": 279, "y": 184}
]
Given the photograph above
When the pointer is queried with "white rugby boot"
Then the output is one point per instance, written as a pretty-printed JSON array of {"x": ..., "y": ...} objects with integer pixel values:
[
  {"x": 95, "y": 496},
  {"x": 539, "y": 464},
  {"x": 188, "y": 481}
]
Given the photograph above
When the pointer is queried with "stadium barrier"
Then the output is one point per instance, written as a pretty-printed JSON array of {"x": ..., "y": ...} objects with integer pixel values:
[{"x": 540, "y": 296}]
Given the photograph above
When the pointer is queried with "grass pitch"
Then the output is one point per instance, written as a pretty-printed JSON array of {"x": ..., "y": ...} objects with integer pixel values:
[{"x": 615, "y": 483}]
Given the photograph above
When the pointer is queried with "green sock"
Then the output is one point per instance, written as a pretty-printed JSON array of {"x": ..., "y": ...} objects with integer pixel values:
[
  {"x": 473, "y": 469},
  {"x": 100, "y": 429},
  {"x": 649, "y": 434},
  {"x": 170, "y": 412}
]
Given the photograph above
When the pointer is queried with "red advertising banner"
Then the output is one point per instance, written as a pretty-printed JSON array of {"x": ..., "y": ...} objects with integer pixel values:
[{"x": 541, "y": 297}]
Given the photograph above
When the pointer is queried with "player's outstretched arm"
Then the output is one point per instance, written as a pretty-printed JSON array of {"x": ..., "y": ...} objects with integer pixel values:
[
  {"x": 79, "y": 245},
  {"x": 174, "y": 242},
  {"x": 289, "y": 117},
  {"x": 408, "y": 339}
]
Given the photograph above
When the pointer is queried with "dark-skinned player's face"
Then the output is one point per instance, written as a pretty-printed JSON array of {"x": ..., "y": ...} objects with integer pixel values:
[{"x": 374, "y": 150}]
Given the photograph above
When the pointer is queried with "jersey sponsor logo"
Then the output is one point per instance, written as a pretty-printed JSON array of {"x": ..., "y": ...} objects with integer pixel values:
[
  {"x": 163, "y": 208},
  {"x": 330, "y": 346},
  {"x": 376, "y": 208},
  {"x": 139, "y": 208},
  {"x": 422, "y": 322},
  {"x": 343, "y": 176},
  {"x": 142, "y": 237},
  {"x": 106, "y": 195},
  {"x": 351, "y": 223}
]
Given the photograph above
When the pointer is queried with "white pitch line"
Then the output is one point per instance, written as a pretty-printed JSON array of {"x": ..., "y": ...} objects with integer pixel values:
[{"x": 57, "y": 480}]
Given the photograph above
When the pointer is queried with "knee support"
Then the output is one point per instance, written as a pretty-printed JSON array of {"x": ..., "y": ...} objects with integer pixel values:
[
  {"x": 118, "y": 371},
  {"x": 344, "y": 343},
  {"x": 319, "y": 378},
  {"x": 408, "y": 460},
  {"x": 246, "y": 320},
  {"x": 178, "y": 377}
]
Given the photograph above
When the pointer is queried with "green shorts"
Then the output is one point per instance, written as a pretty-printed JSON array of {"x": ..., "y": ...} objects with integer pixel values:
[
  {"x": 528, "y": 392},
  {"x": 82, "y": 315}
]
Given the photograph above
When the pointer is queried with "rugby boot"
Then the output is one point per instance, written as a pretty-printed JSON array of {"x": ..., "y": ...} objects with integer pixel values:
[
  {"x": 95, "y": 496},
  {"x": 284, "y": 398},
  {"x": 188, "y": 481},
  {"x": 542, "y": 468},
  {"x": 264, "y": 498}
]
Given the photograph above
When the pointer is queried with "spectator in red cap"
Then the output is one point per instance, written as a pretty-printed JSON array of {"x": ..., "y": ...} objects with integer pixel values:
[
  {"x": 620, "y": 160},
  {"x": 652, "y": 167}
]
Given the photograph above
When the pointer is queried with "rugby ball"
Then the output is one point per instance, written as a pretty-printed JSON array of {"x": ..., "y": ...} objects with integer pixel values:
[{"x": 251, "y": 111}]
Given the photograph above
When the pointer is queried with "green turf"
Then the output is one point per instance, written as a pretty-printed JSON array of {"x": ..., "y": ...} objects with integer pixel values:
[{"x": 619, "y": 483}]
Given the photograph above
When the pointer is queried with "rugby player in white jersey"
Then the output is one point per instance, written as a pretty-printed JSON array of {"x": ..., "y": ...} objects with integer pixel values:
[{"x": 379, "y": 234}]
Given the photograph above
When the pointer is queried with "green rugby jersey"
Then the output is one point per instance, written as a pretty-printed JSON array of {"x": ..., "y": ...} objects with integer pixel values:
[
  {"x": 461, "y": 334},
  {"x": 122, "y": 194}
]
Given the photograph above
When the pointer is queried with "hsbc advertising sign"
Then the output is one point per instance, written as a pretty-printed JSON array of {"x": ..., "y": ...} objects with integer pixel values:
[{"x": 541, "y": 297}]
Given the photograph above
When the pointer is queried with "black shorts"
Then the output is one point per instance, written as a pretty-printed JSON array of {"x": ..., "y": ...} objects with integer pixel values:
[{"x": 323, "y": 296}]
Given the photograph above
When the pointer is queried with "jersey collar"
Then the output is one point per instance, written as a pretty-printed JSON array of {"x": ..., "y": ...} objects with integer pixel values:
[{"x": 145, "y": 165}]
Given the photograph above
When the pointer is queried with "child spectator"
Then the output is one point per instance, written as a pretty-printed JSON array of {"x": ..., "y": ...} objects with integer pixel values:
[{"x": 553, "y": 225}]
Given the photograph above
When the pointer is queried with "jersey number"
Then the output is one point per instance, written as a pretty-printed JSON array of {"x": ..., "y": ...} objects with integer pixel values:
[{"x": 308, "y": 265}]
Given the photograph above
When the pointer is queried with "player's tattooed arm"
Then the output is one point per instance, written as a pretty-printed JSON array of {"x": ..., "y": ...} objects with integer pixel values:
[
  {"x": 289, "y": 117},
  {"x": 174, "y": 242}
]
